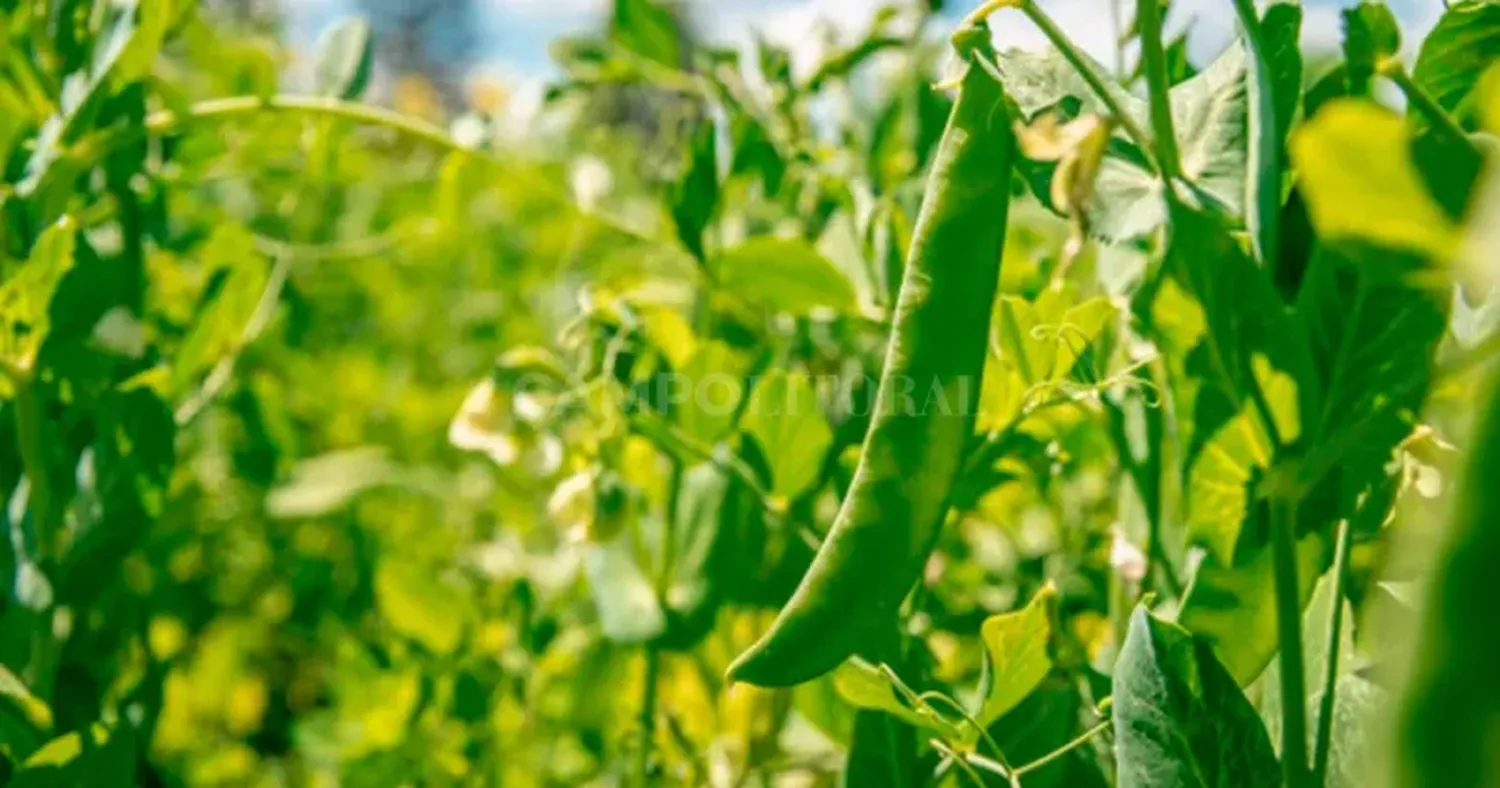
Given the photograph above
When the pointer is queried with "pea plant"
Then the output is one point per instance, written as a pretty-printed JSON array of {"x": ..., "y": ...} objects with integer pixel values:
[{"x": 930, "y": 413}]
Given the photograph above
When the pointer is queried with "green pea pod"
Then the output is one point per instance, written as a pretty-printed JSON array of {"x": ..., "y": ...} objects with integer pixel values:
[{"x": 925, "y": 405}]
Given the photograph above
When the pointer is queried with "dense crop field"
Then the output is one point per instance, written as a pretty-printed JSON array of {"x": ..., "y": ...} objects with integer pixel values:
[{"x": 930, "y": 414}]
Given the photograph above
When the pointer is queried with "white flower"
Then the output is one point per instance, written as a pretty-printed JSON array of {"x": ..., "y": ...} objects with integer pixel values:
[
  {"x": 572, "y": 502},
  {"x": 590, "y": 179},
  {"x": 481, "y": 425},
  {"x": 1127, "y": 559}
]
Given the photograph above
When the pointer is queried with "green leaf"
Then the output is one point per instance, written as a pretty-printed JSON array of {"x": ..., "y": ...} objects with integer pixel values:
[
  {"x": 1210, "y": 120},
  {"x": 786, "y": 419},
  {"x": 25, "y": 720},
  {"x": 345, "y": 56},
  {"x": 142, "y": 32},
  {"x": 1371, "y": 35},
  {"x": 1232, "y": 609},
  {"x": 695, "y": 196},
  {"x": 713, "y": 385},
  {"x": 783, "y": 275},
  {"x": 1180, "y": 719},
  {"x": 27, "y": 294},
  {"x": 1016, "y": 647},
  {"x": 865, "y": 686},
  {"x": 106, "y": 760},
  {"x": 418, "y": 605},
  {"x": 219, "y": 329},
  {"x": 1465, "y": 42},
  {"x": 1361, "y": 186},
  {"x": 649, "y": 29}
]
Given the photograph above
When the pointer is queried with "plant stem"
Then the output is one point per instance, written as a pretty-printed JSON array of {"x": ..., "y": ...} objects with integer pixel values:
[
  {"x": 1395, "y": 71},
  {"x": 1289, "y": 621},
  {"x": 648, "y": 715},
  {"x": 1263, "y": 212},
  {"x": 1324, "y": 739},
  {"x": 1091, "y": 75},
  {"x": 1148, "y": 16},
  {"x": 1079, "y": 741}
]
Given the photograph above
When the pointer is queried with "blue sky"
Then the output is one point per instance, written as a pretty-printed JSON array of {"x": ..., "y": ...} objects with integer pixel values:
[{"x": 518, "y": 31}]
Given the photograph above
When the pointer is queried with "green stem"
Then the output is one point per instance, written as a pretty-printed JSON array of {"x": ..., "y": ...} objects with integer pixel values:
[
  {"x": 1263, "y": 212},
  {"x": 1324, "y": 739},
  {"x": 1289, "y": 621},
  {"x": 1148, "y": 16},
  {"x": 1079, "y": 741},
  {"x": 648, "y": 715},
  {"x": 1395, "y": 71}
]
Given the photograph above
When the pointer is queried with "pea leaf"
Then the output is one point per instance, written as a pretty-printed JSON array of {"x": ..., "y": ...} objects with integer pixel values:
[
  {"x": 1016, "y": 654},
  {"x": 712, "y": 385},
  {"x": 786, "y": 420},
  {"x": 1232, "y": 608},
  {"x": 219, "y": 329},
  {"x": 418, "y": 605},
  {"x": 784, "y": 275},
  {"x": 1456, "y": 53},
  {"x": 1179, "y": 718},
  {"x": 649, "y": 29},
  {"x": 695, "y": 196},
  {"x": 25, "y": 297},
  {"x": 865, "y": 686},
  {"x": 1371, "y": 34},
  {"x": 345, "y": 59},
  {"x": 1361, "y": 186}
]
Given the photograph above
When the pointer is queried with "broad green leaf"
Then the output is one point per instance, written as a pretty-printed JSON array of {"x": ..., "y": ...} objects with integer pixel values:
[
  {"x": 321, "y": 485},
  {"x": 1374, "y": 338},
  {"x": 1210, "y": 120},
  {"x": 1233, "y": 608},
  {"x": 27, "y": 294},
  {"x": 786, "y": 419},
  {"x": 344, "y": 60},
  {"x": 25, "y": 720},
  {"x": 649, "y": 29},
  {"x": 1452, "y": 700},
  {"x": 1180, "y": 719},
  {"x": 219, "y": 329},
  {"x": 1361, "y": 186},
  {"x": 1220, "y": 490},
  {"x": 140, "y": 35},
  {"x": 712, "y": 385},
  {"x": 1456, "y": 53},
  {"x": 1371, "y": 35},
  {"x": 783, "y": 275},
  {"x": 695, "y": 197},
  {"x": 419, "y": 605},
  {"x": 864, "y": 686},
  {"x": 1017, "y": 655},
  {"x": 629, "y": 611}
]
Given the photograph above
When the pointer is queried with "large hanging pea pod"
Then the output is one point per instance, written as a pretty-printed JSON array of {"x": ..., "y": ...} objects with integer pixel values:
[{"x": 925, "y": 405}]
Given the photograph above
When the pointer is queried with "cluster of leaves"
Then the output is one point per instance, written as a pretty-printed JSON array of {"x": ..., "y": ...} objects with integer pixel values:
[{"x": 338, "y": 447}]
